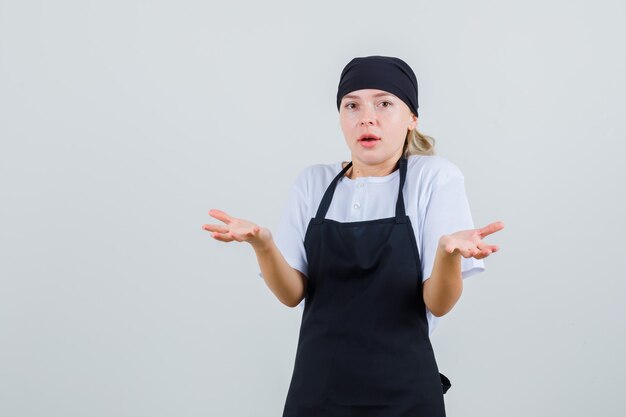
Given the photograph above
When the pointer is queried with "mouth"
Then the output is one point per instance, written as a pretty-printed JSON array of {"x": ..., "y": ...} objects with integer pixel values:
[{"x": 368, "y": 137}]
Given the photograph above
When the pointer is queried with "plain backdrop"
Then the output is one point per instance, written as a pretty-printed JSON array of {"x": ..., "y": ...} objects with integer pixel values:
[{"x": 123, "y": 122}]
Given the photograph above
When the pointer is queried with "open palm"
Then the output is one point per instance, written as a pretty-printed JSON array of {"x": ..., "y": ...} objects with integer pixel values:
[
  {"x": 469, "y": 243},
  {"x": 236, "y": 229}
]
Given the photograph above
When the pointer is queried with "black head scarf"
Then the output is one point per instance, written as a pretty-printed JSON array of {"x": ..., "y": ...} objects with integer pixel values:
[{"x": 382, "y": 73}]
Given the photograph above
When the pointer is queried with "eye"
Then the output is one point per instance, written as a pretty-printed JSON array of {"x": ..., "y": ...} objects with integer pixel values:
[
  {"x": 349, "y": 104},
  {"x": 388, "y": 102}
]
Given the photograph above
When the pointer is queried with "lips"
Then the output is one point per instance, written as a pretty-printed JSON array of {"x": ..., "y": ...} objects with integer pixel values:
[
  {"x": 368, "y": 140},
  {"x": 368, "y": 137}
]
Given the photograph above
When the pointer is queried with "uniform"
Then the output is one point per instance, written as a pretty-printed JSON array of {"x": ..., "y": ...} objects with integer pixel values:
[
  {"x": 364, "y": 347},
  {"x": 435, "y": 199}
]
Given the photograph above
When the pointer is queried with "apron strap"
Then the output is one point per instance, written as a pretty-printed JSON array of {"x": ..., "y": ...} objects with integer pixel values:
[
  {"x": 328, "y": 195},
  {"x": 400, "y": 212}
]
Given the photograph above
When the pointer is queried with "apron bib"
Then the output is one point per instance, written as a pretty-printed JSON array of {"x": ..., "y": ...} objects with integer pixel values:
[{"x": 363, "y": 346}]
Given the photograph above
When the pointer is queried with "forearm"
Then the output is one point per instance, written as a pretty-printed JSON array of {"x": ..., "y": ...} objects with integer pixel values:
[
  {"x": 445, "y": 285},
  {"x": 287, "y": 283}
]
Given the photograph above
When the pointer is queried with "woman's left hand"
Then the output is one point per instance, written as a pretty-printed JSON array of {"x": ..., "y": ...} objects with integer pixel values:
[{"x": 469, "y": 242}]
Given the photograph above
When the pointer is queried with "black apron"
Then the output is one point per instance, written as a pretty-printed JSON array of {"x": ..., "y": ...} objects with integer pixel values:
[{"x": 363, "y": 347}]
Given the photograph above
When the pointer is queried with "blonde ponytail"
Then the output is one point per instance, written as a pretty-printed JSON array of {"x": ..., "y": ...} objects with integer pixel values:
[{"x": 418, "y": 144}]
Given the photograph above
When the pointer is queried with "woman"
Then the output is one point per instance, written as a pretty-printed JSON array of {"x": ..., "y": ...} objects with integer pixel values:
[{"x": 372, "y": 287}]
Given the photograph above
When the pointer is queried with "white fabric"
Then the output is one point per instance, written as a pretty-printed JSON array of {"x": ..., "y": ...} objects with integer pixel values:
[{"x": 434, "y": 196}]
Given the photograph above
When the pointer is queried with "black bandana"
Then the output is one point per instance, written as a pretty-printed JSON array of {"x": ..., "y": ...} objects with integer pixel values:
[{"x": 382, "y": 73}]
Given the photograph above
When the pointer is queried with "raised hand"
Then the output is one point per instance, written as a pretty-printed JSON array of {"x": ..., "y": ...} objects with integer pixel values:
[
  {"x": 469, "y": 242},
  {"x": 239, "y": 230}
]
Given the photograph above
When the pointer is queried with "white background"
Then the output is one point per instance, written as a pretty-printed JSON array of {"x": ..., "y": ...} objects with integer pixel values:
[{"x": 123, "y": 122}]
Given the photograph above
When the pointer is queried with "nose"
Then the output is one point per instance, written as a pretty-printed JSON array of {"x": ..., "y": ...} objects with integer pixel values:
[{"x": 367, "y": 117}]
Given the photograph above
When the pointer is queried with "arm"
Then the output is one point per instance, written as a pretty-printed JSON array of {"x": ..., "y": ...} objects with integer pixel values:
[
  {"x": 287, "y": 283},
  {"x": 445, "y": 285}
]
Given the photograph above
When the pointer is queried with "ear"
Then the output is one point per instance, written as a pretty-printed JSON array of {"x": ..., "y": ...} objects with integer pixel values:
[{"x": 412, "y": 122}]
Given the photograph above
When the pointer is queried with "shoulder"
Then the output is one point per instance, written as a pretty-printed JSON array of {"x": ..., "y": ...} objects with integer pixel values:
[
  {"x": 433, "y": 169},
  {"x": 316, "y": 175},
  {"x": 320, "y": 170}
]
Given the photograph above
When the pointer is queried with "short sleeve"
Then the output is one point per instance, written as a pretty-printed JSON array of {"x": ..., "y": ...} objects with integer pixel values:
[
  {"x": 447, "y": 211},
  {"x": 291, "y": 227}
]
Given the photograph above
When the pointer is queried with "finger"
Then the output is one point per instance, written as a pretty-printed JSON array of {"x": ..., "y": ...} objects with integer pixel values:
[
  {"x": 237, "y": 236},
  {"x": 485, "y": 250},
  {"x": 491, "y": 228},
  {"x": 220, "y": 215},
  {"x": 254, "y": 232},
  {"x": 482, "y": 255},
  {"x": 244, "y": 236},
  {"x": 215, "y": 228},
  {"x": 472, "y": 253},
  {"x": 484, "y": 247},
  {"x": 222, "y": 237}
]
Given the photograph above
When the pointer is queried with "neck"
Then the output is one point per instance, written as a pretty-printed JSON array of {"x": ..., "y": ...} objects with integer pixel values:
[{"x": 359, "y": 169}]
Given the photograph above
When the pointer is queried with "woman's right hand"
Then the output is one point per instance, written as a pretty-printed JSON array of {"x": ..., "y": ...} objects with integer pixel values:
[{"x": 237, "y": 229}]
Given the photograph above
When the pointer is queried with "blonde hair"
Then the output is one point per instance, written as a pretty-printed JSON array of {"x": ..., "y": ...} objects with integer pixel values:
[{"x": 417, "y": 143}]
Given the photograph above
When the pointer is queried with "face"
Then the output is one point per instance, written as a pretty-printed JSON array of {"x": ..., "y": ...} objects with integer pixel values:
[{"x": 380, "y": 114}]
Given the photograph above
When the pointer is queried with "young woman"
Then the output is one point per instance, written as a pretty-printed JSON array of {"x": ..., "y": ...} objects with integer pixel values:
[{"x": 377, "y": 249}]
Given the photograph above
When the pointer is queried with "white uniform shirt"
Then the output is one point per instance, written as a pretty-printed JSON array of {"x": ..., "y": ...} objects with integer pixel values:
[{"x": 434, "y": 197}]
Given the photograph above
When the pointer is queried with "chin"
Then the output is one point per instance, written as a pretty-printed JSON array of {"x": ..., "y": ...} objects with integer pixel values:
[{"x": 373, "y": 159}]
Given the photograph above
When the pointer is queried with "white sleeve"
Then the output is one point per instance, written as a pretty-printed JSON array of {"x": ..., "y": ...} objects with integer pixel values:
[
  {"x": 447, "y": 212},
  {"x": 291, "y": 227}
]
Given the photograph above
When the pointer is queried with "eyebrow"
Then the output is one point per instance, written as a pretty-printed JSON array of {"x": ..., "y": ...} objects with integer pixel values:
[{"x": 375, "y": 95}]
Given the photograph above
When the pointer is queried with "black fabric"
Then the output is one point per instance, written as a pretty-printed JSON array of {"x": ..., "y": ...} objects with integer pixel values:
[
  {"x": 382, "y": 73},
  {"x": 364, "y": 346},
  {"x": 445, "y": 383}
]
